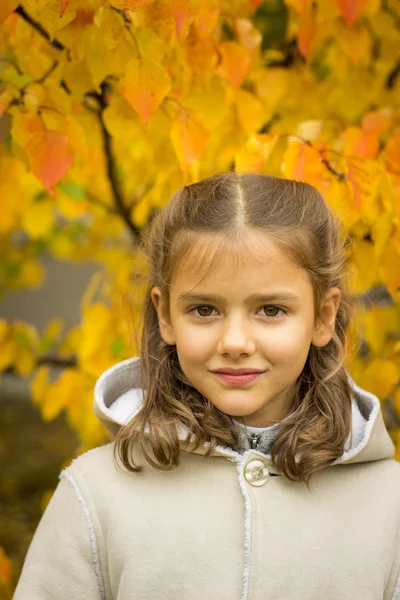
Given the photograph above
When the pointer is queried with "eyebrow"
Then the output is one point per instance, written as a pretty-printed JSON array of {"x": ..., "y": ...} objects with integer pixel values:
[{"x": 275, "y": 297}]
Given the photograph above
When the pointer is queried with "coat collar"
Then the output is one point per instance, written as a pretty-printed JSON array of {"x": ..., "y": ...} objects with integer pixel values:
[{"x": 118, "y": 397}]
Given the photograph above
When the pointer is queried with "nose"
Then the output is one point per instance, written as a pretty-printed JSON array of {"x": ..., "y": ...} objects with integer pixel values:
[{"x": 236, "y": 338}]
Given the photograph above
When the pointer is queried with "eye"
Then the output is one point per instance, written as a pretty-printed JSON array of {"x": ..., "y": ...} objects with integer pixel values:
[
  {"x": 274, "y": 308},
  {"x": 203, "y": 307},
  {"x": 206, "y": 308}
]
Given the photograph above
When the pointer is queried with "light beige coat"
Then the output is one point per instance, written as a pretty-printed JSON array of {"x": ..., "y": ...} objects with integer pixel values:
[{"x": 222, "y": 527}]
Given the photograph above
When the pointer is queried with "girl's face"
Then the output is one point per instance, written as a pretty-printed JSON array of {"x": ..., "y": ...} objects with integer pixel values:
[{"x": 253, "y": 308}]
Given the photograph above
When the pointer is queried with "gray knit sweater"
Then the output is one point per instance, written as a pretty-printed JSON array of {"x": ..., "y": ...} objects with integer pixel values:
[{"x": 261, "y": 440}]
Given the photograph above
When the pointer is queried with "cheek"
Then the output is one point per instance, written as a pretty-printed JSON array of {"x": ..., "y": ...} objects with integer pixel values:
[
  {"x": 291, "y": 345},
  {"x": 190, "y": 349}
]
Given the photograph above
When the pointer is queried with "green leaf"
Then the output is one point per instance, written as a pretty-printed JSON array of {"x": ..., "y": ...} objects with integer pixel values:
[
  {"x": 22, "y": 339},
  {"x": 72, "y": 190},
  {"x": 117, "y": 347}
]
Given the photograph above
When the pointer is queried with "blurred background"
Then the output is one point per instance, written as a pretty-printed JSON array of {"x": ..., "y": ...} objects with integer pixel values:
[{"x": 106, "y": 108}]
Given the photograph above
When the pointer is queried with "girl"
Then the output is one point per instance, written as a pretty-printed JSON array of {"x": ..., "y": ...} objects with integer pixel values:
[{"x": 247, "y": 464}]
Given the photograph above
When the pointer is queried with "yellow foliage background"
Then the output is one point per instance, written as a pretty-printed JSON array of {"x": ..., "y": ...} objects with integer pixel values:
[{"x": 108, "y": 106}]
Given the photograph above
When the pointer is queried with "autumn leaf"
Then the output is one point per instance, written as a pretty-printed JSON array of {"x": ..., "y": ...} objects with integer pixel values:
[
  {"x": 255, "y": 153},
  {"x": 307, "y": 33},
  {"x": 380, "y": 377},
  {"x": 63, "y": 6},
  {"x": 129, "y": 4},
  {"x": 189, "y": 138},
  {"x": 5, "y": 567},
  {"x": 50, "y": 155},
  {"x": 184, "y": 13},
  {"x": 351, "y": 9},
  {"x": 6, "y": 8},
  {"x": 145, "y": 86},
  {"x": 235, "y": 62}
]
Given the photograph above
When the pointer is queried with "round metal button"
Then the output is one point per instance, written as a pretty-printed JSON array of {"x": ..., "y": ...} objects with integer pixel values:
[{"x": 256, "y": 473}]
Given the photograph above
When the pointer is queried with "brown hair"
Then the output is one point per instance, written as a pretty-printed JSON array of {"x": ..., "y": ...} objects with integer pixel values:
[{"x": 298, "y": 219}]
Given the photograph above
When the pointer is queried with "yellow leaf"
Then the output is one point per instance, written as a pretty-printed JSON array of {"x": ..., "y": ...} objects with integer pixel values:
[
  {"x": 390, "y": 267},
  {"x": 355, "y": 43},
  {"x": 38, "y": 218},
  {"x": 272, "y": 86},
  {"x": 363, "y": 277},
  {"x": 78, "y": 78},
  {"x": 53, "y": 329},
  {"x": 25, "y": 361},
  {"x": 361, "y": 143},
  {"x": 300, "y": 5},
  {"x": 8, "y": 353},
  {"x": 6, "y": 8},
  {"x": 255, "y": 153},
  {"x": 130, "y": 4},
  {"x": 377, "y": 324},
  {"x": 381, "y": 231},
  {"x": 40, "y": 384},
  {"x": 145, "y": 85},
  {"x": 302, "y": 162},
  {"x": 250, "y": 111},
  {"x": 32, "y": 273},
  {"x": 235, "y": 62},
  {"x": 5, "y": 329},
  {"x": 380, "y": 377},
  {"x": 184, "y": 13},
  {"x": 34, "y": 97},
  {"x": 141, "y": 211},
  {"x": 363, "y": 176},
  {"x": 67, "y": 389},
  {"x": 189, "y": 138}
]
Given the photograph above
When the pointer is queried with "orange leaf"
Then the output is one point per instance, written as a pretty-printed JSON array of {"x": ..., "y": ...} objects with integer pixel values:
[
  {"x": 5, "y": 99},
  {"x": 5, "y": 567},
  {"x": 50, "y": 156},
  {"x": 302, "y": 162},
  {"x": 360, "y": 143},
  {"x": 391, "y": 154},
  {"x": 63, "y": 6},
  {"x": 378, "y": 121},
  {"x": 145, "y": 86},
  {"x": 184, "y": 13},
  {"x": 301, "y": 6},
  {"x": 189, "y": 139},
  {"x": 363, "y": 176},
  {"x": 206, "y": 20},
  {"x": 306, "y": 34},
  {"x": 6, "y": 8},
  {"x": 255, "y": 153},
  {"x": 235, "y": 62},
  {"x": 351, "y": 9},
  {"x": 129, "y": 4}
]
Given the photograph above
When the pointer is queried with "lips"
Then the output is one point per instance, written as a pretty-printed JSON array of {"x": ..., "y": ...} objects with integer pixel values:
[
  {"x": 238, "y": 379},
  {"x": 238, "y": 371}
]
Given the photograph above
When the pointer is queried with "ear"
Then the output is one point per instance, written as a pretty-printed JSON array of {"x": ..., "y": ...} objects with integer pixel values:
[
  {"x": 326, "y": 322},
  {"x": 164, "y": 323}
]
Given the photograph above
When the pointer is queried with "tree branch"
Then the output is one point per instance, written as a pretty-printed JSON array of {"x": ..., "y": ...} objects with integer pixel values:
[
  {"x": 120, "y": 207},
  {"x": 39, "y": 28},
  {"x": 391, "y": 78}
]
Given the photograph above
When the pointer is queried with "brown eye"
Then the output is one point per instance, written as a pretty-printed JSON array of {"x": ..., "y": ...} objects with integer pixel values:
[
  {"x": 205, "y": 308},
  {"x": 272, "y": 308}
]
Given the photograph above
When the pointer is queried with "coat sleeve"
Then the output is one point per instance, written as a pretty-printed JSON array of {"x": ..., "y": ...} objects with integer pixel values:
[{"x": 62, "y": 561}]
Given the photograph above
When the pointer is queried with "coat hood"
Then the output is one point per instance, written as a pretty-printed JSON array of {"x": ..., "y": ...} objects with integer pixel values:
[{"x": 118, "y": 397}]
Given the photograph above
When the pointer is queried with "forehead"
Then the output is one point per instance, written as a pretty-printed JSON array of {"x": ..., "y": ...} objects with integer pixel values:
[{"x": 252, "y": 260}]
